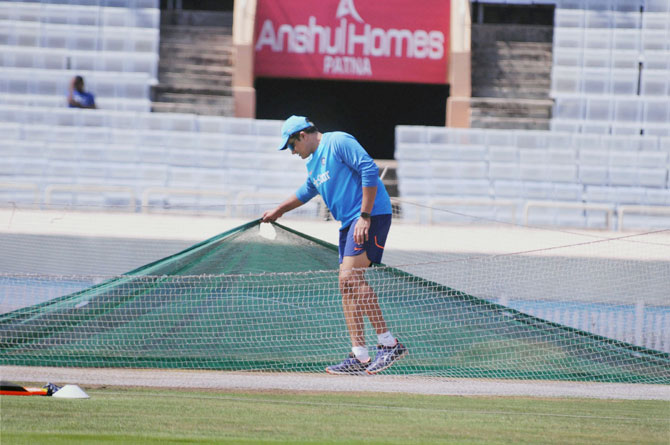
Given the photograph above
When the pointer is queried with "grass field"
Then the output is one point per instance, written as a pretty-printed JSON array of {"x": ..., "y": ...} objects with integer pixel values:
[{"x": 157, "y": 416}]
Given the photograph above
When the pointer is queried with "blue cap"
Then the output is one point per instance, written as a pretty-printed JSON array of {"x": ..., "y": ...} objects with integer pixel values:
[{"x": 293, "y": 125}]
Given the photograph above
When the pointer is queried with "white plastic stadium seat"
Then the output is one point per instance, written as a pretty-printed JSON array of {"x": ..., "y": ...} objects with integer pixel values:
[
  {"x": 569, "y": 107},
  {"x": 411, "y": 134},
  {"x": 626, "y": 39},
  {"x": 565, "y": 81},
  {"x": 655, "y": 83},
  {"x": 56, "y": 82},
  {"x": 568, "y": 18},
  {"x": 596, "y": 59},
  {"x": 598, "y": 5},
  {"x": 504, "y": 170},
  {"x": 502, "y": 154},
  {"x": 568, "y": 57},
  {"x": 656, "y": 111},
  {"x": 596, "y": 81},
  {"x": 627, "y": 109},
  {"x": 625, "y": 59},
  {"x": 626, "y": 19},
  {"x": 598, "y": 108},
  {"x": 598, "y": 19},
  {"x": 593, "y": 174}
]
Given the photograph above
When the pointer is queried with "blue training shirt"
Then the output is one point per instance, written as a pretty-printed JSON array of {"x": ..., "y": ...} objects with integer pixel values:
[
  {"x": 85, "y": 98},
  {"x": 337, "y": 170}
]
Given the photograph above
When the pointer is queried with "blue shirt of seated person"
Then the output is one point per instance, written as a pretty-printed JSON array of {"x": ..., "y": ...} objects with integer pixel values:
[{"x": 78, "y": 97}]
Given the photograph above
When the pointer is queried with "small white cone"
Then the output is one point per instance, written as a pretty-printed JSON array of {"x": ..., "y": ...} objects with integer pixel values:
[{"x": 71, "y": 392}]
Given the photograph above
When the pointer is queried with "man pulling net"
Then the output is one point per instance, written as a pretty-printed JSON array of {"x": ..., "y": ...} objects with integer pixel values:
[{"x": 347, "y": 178}]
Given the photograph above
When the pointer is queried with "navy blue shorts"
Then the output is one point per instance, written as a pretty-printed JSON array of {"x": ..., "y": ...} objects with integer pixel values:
[{"x": 374, "y": 246}]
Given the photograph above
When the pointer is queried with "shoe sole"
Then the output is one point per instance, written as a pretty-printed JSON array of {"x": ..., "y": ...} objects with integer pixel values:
[{"x": 389, "y": 365}]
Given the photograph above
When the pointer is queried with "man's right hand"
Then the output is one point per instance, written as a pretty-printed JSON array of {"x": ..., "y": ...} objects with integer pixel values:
[{"x": 271, "y": 215}]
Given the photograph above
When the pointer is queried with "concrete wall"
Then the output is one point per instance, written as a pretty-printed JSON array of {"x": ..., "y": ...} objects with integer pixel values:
[{"x": 244, "y": 93}]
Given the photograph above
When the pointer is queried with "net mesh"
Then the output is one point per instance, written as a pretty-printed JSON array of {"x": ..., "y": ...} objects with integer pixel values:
[{"x": 247, "y": 300}]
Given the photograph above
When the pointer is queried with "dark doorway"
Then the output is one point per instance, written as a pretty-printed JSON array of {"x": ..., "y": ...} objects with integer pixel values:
[{"x": 368, "y": 110}]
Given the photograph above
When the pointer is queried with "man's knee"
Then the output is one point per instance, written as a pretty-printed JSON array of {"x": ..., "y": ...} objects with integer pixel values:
[
  {"x": 351, "y": 280},
  {"x": 348, "y": 280}
]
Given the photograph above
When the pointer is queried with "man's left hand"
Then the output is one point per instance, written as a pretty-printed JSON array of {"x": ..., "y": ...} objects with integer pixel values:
[{"x": 361, "y": 230}]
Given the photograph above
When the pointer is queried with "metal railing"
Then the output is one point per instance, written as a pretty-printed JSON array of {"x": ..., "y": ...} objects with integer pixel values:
[
  {"x": 639, "y": 209},
  {"x": 89, "y": 189},
  {"x": 224, "y": 209},
  {"x": 24, "y": 186}
]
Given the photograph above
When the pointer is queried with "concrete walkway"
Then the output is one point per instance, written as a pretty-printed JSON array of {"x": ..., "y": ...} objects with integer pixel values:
[{"x": 255, "y": 381}]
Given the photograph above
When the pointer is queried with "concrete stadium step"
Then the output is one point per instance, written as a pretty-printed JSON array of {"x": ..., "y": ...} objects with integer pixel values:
[
  {"x": 196, "y": 60},
  {"x": 199, "y": 19},
  {"x": 519, "y": 85},
  {"x": 512, "y": 77},
  {"x": 515, "y": 64},
  {"x": 196, "y": 35},
  {"x": 512, "y": 33},
  {"x": 496, "y": 55},
  {"x": 512, "y": 46},
  {"x": 528, "y": 92},
  {"x": 207, "y": 110},
  {"x": 205, "y": 81},
  {"x": 498, "y": 107},
  {"x": 193, "y": 98},
  {"x": 188, "y": 69},
  {"x": 180, "y": 49},
  {"x": 204, "y": 59},
  {"x": 192, "y": 88},
  {"x": 485, "y": 70},
  {"x": 510, "y": 123}
]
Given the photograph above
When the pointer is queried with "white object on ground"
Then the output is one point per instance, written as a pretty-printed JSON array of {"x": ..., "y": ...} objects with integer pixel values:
[{"x": 71, "y": 392}]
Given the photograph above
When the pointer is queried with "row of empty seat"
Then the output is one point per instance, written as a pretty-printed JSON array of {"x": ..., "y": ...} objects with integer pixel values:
[
  {"x": 57, "y": 82},
  {"x": 496, "y": 173},
  {"x": 80, "y": 14},
  {"x": 610, "y": 82},
  {"x": 614, "y": 5},
  {"x": 596, "y": 5},
  {"x": 109, "y": 120},
  {"x": 113, "y": 44},
  {"x": 56, "y": 59},
  {"x": 152, "y": 4},
  {"x": 619, "y": 115},
  {"x": 78, "y": 37},
  {"x": 609, "y": 18},
  {"x": 611, "y": 67},
  {"x": 611, "y": 39},
  {"x": 50, "y": 101},
  {"x": 617, "y": 59},
  {"x": 238, "y": 167}
]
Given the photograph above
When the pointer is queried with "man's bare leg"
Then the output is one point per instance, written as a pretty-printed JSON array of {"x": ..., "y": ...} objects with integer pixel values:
[{"x": 359, "y": 299}]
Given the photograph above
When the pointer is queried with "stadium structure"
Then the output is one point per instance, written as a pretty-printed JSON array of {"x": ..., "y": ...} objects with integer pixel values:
[{"x": 544, "y": 122}]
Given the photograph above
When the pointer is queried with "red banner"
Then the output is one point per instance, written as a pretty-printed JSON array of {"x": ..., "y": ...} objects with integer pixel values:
[{"x": 389, "y": 40}]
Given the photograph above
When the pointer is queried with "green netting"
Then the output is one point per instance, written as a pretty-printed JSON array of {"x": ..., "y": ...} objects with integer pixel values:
[{"x": 240, "y": 301}]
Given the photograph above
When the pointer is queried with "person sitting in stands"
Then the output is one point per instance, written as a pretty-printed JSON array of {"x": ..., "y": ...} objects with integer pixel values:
[{"x": 78, "y": 97}]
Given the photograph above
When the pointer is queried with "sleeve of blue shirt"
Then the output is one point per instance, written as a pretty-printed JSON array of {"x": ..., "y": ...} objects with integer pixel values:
[
  {"x": 353, "y": 155},
  {"x": 306, "y": 192}
]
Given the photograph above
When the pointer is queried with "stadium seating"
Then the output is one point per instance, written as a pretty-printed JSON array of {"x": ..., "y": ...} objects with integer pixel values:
[
  {"x": 536, "y": 177},
  {"x": 611, "y": 67},
  {"x": 50, "y": 101},
  {"x": 166, "y": 160},
  {"x": 113, "y": 44}
]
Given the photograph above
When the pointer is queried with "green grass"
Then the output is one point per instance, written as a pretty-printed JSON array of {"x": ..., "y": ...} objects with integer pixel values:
[{"x": 159, "y": 416}]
